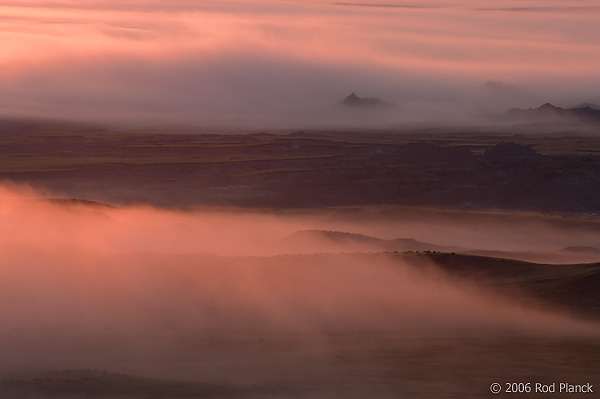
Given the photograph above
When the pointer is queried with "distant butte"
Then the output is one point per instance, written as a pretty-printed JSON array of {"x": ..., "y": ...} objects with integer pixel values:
[
  {"x": 549, "y": 112},
  {"x": 365, "y": 102},
  {"x": 587, "y": 105}
]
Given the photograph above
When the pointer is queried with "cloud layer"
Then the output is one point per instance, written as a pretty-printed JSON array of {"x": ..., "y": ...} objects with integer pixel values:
[{"x": 285, "y": 62}]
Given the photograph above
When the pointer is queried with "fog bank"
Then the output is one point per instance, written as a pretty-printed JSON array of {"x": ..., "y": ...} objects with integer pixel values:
[
  {"x": 220, "y": 297},
  {"x": 283, "y": 63}
]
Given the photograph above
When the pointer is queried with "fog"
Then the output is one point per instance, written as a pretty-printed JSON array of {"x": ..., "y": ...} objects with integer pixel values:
[
  {"x": 282, "y": 63},
  {"x": 227, "y": 296},
  {"x": 72, "y": 266}
]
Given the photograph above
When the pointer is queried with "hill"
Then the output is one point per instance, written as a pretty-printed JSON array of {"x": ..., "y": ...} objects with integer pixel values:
[
  {"x": 336, "y": 241},
  {"x": 572, "y": 288},
  {"x": 547, "y": 112}
]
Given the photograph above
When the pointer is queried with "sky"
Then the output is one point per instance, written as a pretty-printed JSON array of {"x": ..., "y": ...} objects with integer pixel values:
[{"x": 272, "y": 62}]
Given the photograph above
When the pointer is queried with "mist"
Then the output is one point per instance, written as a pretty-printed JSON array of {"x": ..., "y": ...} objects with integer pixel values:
[
  {"x": 72, "y": 267},
  {"x": 227, "y": 297},
  {"x": 279, "y": 63},
  {"x": 135, "y": 301}
]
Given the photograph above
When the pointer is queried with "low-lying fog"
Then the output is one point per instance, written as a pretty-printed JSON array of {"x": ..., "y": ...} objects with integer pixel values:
[{"x": 231, "y": 297}]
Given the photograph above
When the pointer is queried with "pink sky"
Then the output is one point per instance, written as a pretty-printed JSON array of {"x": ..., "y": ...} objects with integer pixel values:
[{"x": 210, "y": 61}]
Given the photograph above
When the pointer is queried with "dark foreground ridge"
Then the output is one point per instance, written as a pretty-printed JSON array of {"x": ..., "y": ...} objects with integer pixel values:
[
  {"x": 314, "y": 169},
  {"x": 572, "y": 288},
  {"x": 91, "y": 383},
  {"x": 567, "y": 287}
]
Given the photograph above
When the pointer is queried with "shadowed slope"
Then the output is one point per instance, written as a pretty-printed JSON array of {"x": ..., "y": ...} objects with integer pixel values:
[{"x": 571, "y": 288}]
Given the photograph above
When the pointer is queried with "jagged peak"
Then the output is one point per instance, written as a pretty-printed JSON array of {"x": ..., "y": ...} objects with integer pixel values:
[
  {"x": 355, "y": 101},
  {"x": 549, "y": 106}
]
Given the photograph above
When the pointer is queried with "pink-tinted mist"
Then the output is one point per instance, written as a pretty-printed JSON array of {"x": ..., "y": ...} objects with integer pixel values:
[{"x": 284, "y": 62}]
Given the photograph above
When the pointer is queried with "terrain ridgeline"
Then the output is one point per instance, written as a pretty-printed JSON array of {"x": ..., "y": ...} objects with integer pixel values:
[
  {"x": 584, "y": 113},
  {"x": 365, "y": 102}
]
